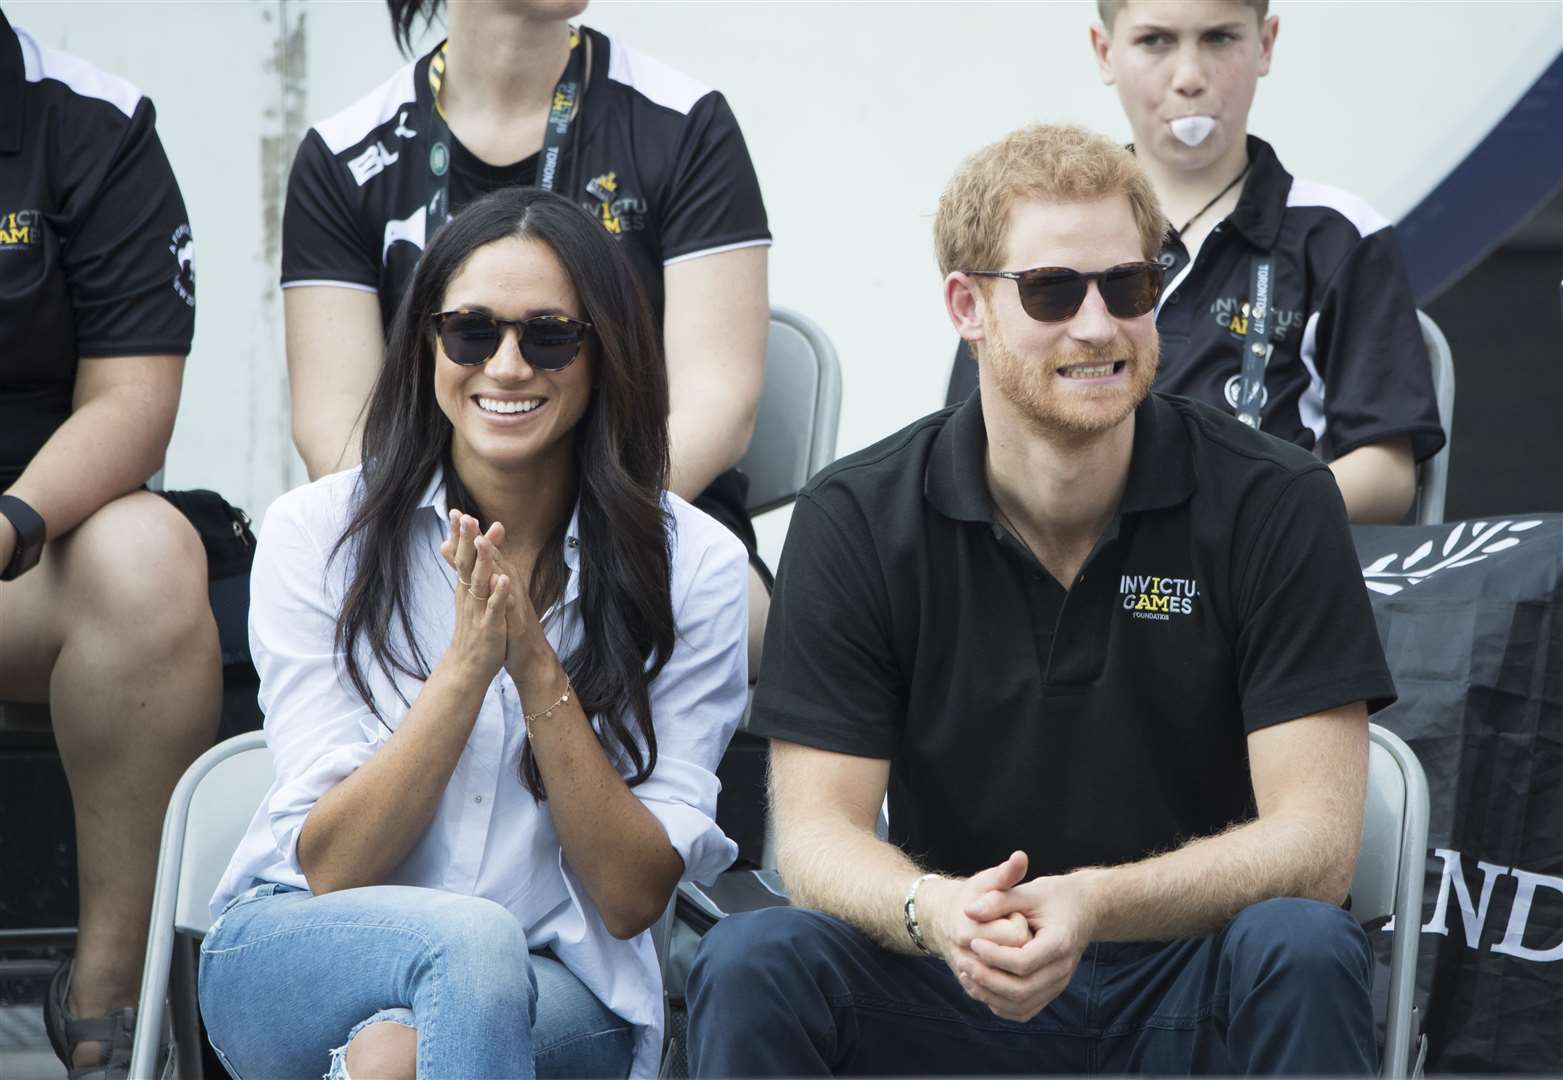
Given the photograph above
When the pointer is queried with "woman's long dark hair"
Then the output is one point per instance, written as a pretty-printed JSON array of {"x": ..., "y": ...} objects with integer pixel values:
[
  {"x": 621, "y": 451},
  {"x": 406, "y": 12}
]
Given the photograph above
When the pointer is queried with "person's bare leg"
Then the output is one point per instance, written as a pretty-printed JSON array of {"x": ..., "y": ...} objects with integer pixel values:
[
  {"x": 134, "y": 693},
  {"x": 759, "y": 608},
  {"x": 387, "y": 1051}
]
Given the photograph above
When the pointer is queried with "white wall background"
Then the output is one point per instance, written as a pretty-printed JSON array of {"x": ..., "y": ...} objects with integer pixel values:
[{"x": 855, "y": 113}]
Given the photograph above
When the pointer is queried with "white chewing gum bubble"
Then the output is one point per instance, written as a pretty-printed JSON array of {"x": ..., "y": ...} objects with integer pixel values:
[{"x": 1191, "y": 130}]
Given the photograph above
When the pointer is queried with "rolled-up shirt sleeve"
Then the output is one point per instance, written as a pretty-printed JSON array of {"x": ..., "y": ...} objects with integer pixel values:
[
  {"x": 697, "y": 701},
  {"x": 317, "y": 727}
]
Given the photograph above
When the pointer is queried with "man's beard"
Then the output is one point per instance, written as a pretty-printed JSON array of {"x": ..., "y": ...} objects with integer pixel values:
[{"x": 1032, "y": 385}]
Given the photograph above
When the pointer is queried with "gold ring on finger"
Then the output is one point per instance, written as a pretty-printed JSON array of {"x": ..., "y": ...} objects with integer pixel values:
[{"x": 475, "y": 596}]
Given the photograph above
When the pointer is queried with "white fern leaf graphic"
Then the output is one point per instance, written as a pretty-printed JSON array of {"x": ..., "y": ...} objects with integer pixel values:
[
  {"x": 1459, "y": 549},
  {"x": 1468, "y": 562},
  {"x": 1380, "y": 564}
]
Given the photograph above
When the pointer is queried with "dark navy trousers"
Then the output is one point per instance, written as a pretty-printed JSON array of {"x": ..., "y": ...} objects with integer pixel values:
[{"x": 1284, "y": 989}]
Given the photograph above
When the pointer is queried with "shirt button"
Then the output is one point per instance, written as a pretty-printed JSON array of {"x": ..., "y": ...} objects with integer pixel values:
[
  {"x": 477, "y": 798},
  {"x": 1175, "y": 298}
]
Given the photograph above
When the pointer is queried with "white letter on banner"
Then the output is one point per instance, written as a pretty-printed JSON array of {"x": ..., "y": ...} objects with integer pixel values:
[
  {"x": 1455, "y": 875},
  {"x": 1520, "y": 914}
]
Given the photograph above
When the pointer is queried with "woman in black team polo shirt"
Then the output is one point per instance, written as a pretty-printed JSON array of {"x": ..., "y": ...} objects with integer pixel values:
[
  {"x": 517, "y": 96},
  {"x": 103, "y": 595}
]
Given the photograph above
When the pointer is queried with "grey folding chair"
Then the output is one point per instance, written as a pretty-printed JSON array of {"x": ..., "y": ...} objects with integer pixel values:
[
  {"x": 207, "y": 814},
  {"x": 1388, "y": 882},
  {"x": 1432, "y": 476},
  {"x": 800, "y": 408}
]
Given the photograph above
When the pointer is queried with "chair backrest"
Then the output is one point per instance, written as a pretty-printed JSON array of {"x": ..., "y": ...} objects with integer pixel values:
[
  {"x": 207, "y": 815},
  {"x": 1383, "y": 824},
  {"x": 800, "y": 408},
  {"x": 222, "y": 800},
  {"x": 1433, "y": 474},
  {"x": 1389, "y": 876}
]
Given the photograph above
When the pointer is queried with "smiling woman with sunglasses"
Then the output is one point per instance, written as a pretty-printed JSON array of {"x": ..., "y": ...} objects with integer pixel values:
[
  {"x": 499, "y": 664},
  {"x": 520, "y": 94}
]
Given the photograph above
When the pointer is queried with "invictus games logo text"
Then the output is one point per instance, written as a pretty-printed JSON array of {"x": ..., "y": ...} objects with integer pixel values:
[
  {"x": 1232, "y": 314},
  {"x": 19, "y": 228},
  {"x": 618, "y": 210},
  {"x": 1146, "y": 596}
]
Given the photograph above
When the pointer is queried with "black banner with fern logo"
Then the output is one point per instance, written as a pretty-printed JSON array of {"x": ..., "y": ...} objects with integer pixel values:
[{"x": 1471, "y": 617}]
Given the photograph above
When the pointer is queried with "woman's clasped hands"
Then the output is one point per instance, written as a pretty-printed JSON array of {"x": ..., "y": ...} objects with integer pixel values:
[{"x": 496, "y": 624}]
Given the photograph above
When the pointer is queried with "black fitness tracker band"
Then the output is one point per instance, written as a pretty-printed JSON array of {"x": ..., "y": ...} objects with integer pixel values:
[{"x": 30, "y": 535}]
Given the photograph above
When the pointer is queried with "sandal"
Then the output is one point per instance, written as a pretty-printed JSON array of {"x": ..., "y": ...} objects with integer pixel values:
[{"x": 114, "y": 1033}]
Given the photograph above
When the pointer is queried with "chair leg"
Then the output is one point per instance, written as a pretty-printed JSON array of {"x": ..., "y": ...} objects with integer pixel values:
[
  {"x": 184, "y": 1007},
  {"x": 1418, "y": 1046}
]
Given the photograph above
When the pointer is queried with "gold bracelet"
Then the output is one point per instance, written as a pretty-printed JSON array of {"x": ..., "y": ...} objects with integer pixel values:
[{"x": 544, "y": 714}]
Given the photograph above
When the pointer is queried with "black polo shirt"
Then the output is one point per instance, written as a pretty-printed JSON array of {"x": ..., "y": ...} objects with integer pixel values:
[
  {"x": 96, "y": 256},
  {"x": 655, "y": 156},
  {"x": 1347, "y": 364},
  {"x": 1094, "y": 725}
]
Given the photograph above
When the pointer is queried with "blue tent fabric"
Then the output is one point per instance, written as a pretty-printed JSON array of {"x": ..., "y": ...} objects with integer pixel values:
[{"x": 1497, "y": 187}]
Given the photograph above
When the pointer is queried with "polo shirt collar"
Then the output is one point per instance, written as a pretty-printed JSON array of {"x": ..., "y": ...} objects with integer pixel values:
[
  {"x": 13, "y": 83},
  {"x": 1263, "y": 201},
  {"x": 423, "y": 80},
  {"x": 1161, "y": 467},
  {"x": 956, "y": 479}
]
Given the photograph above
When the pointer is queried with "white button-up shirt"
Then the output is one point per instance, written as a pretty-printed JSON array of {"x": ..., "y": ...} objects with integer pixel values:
[{"x": 489, "y": 837}]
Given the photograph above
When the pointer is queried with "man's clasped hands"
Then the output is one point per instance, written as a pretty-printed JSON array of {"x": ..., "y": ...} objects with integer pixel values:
[{"x": 1013, "y": 946}]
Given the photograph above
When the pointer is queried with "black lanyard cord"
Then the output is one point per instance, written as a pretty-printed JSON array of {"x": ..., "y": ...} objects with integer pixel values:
[
  {"x": 1238, "y": 179},
  {"x": 559, "y": 132}
]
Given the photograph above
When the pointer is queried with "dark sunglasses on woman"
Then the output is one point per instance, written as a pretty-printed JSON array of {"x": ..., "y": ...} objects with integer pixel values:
[
  {"x": 1055, "y": 293},
  {"x": 548, "y": 342}
]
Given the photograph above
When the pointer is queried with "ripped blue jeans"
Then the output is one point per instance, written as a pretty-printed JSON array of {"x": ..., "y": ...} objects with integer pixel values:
[{"x": 287, "y": 978}]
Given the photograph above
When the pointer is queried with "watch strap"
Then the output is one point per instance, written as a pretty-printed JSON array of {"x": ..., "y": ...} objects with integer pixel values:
[{"x": 30, "y": 536}]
